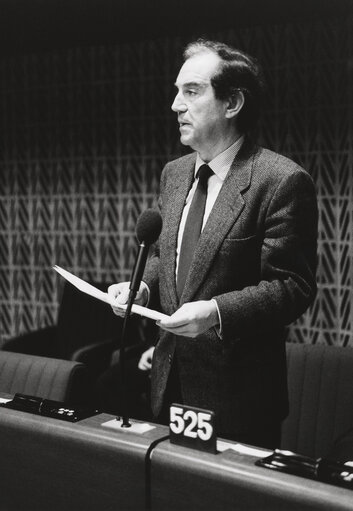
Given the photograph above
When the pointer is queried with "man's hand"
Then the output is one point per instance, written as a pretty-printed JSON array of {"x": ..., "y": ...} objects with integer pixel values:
[
  {"x": 145, "y": 362},
  {"x": 120, "y": 293},
  {"x": 192, "y": 319}
]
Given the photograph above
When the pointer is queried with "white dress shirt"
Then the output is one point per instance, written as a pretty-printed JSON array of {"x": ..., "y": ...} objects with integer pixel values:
[{"x": 220, "y": 165}]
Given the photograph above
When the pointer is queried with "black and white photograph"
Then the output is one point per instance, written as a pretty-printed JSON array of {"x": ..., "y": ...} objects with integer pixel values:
[{"x": 176, "y": 255}]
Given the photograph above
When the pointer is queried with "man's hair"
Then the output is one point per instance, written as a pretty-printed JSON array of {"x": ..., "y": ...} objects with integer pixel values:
[{"x": 237, "y": 71}]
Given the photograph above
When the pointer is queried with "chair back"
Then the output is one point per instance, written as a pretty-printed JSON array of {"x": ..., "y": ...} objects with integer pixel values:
[
  {"x": 320, "y": 385},
  {"x": 49, "y": 378}
]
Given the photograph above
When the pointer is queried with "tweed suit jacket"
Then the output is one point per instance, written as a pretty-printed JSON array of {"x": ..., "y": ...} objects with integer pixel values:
[{"x": 256, "y": 257}]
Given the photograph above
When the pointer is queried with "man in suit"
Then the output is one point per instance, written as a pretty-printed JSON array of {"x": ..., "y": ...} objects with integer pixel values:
[{"x": 251, "y": 270}]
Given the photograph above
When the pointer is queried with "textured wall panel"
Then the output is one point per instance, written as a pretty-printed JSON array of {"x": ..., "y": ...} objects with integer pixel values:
[{"x": 85, "y": 134}]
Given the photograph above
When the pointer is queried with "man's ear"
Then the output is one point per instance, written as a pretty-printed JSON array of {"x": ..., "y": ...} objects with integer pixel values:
[{"x": 235, "y": 104}]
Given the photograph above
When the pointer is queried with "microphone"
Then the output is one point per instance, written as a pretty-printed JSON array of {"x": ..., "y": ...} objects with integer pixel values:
[{"x": 148, "y": 228}]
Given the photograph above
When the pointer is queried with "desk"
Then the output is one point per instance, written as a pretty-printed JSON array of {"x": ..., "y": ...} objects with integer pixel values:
[
  {"x": 190, "y": 480},
  {"x": 52, "y": 465}
]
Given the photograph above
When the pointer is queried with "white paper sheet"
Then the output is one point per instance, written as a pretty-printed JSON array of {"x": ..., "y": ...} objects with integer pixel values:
[
  {"x": 87, "y": 288},
  {"x": 4, "y": 400},
  {"x": 242, "y": 449}
]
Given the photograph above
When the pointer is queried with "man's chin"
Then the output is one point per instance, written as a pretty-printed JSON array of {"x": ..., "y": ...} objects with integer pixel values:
[{"x": 185, "y": 140}]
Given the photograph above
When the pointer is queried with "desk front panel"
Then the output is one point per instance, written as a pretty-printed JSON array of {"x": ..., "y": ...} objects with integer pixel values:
[
  {"x": 182, "y": 479},
  {"x": 48, "y": 464}
]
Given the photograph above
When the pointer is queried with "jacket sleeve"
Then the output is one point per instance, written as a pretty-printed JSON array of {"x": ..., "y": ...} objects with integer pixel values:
[{"x": 288, "y": 264}]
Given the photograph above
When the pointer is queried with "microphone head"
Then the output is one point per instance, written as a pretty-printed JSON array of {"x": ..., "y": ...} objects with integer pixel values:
[{"x": 148, "y": 226}]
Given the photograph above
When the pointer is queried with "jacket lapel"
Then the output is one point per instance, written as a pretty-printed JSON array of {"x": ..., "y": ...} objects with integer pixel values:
[
  {"x": 172, "y": 216},
  {"x": 224, "y": 214}
]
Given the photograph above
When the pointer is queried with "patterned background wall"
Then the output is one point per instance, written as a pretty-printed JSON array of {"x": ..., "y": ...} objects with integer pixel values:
[{"x": 85, "y": 134}]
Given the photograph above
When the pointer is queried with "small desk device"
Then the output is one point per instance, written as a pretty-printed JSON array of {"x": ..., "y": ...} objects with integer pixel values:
[
  {"x": 321, "y": 469},
  {"x": 49, "y": 408}
]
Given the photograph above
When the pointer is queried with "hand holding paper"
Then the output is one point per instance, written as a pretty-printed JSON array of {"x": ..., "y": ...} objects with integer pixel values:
[
  {"x": 121, "y": 293},
  {"x": 87, "y": 288}
]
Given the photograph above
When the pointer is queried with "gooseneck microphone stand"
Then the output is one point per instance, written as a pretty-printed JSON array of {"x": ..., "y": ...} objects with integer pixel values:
[
  {"x": 125, "y": 423},
  {"x": 148, "y": 228},
  {"x": 134, "y": 287}
]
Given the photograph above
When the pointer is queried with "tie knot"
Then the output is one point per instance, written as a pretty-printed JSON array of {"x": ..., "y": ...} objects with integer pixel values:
[{"x": 204, "y": 173}]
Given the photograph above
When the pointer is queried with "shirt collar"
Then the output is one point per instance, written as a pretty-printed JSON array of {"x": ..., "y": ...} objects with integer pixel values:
[{"x": 223, "y": 161}]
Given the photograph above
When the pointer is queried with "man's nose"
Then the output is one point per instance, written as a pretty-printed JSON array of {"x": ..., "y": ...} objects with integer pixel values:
[{"x": 178, "y": 104}]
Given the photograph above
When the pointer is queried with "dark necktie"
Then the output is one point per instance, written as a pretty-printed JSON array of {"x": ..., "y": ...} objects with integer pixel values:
[{"x": 193, "y": 227}]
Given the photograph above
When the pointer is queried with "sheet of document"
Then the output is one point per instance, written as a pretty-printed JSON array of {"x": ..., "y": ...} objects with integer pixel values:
[
  {"x": 87, "y": 288},
  {"x": 243, "y": 449}
]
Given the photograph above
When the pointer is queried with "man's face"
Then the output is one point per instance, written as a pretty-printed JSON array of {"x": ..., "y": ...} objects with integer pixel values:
[{"x": 201, "y": 117}]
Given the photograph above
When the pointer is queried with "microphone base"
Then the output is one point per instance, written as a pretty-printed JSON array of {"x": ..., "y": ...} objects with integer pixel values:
[
  {"x": 136, "y": 427},
  {"x": 124, "y": 422}
]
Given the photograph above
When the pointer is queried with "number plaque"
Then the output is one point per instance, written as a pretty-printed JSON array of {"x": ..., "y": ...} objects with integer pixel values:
[{"x": 192, "y": 427}]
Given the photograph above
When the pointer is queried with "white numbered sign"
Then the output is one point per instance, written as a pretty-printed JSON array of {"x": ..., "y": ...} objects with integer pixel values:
[{"x": 192, "y": 427}]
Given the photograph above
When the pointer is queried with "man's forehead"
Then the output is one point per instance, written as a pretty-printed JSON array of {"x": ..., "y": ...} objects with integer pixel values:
[{"x": 198, "y": 70}]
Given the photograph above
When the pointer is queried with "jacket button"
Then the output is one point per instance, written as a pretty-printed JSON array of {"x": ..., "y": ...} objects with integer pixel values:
[{"x": 170, "y": 358}]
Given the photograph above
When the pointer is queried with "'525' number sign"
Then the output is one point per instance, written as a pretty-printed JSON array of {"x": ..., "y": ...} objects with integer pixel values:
[{"x": 192, "y": 427}]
